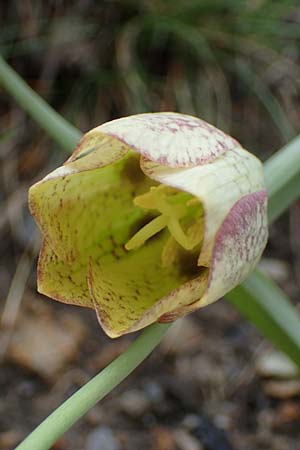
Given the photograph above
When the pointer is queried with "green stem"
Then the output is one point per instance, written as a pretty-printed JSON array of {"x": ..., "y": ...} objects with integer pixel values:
[
  {"x": 47, "y": 433},
  {"x": 53, "y": 123}
]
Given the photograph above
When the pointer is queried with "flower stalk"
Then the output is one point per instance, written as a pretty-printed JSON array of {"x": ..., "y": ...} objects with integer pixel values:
[{"x": 49, "y": 431}]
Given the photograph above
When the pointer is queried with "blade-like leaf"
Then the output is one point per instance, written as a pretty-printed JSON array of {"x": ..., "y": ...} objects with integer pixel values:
[
  {"x": 282, "y": 174},
  {"x": 265, "y": 305},
  {"x": 61, "y": 131}
]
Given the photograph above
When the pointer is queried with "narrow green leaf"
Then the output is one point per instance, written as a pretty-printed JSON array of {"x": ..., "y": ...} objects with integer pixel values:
[
  {"x": 265, "y": 305},
  {"x": 65, "y": 134},
  {"x": 282, "y": 174},
  {"x": 47, "y": 433}
]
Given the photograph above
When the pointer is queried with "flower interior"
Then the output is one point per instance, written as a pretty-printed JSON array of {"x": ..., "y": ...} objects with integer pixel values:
[
  {"x": 117, "y": 241},
  {"x": 179, "y": 212}
]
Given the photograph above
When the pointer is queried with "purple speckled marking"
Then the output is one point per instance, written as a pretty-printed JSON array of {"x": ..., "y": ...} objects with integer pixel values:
[
  {"x": 241, "y": 239},
  {"x": 171, "y": 139}
]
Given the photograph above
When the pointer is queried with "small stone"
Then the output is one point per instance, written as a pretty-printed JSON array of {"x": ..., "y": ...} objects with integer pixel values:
[
  {"x": 154, "y": 392},
  {"x": 223, "y": 421},
  {"x": 287, "y": 412},
  {"x": 44, "y": 344},
  {"x": 282, "y": 389},
  {"x": 276, "y": 364},
  {"x": 102, "y": 438},
  {"x": 163, "y": 438},
  {"x": 190, "y": 421},
  {"x": 185, "y": 441},
  {"x": 134, "y": 402}
]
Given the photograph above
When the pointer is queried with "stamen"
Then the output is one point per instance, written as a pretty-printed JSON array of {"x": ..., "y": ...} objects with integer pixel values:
[
  {"x": 178, "y": 234},
  {"x": 146, "y": 232},
  {"x": 173, "y": 206}
]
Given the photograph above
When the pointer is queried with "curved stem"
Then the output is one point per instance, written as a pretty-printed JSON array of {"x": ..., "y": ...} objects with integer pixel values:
[
  {"x": 47, "y": 433},
  {"x": 53, "y": 123}
]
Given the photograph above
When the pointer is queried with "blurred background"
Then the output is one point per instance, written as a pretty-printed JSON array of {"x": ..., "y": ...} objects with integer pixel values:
[{"x": 214, "y": 383}]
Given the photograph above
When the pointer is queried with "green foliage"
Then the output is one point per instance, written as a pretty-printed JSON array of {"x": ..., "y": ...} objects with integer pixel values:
[
  {"x": 269, "y": 309},
  {"x": 53, "y": 123},
  {"x": 282, "y": 174}
]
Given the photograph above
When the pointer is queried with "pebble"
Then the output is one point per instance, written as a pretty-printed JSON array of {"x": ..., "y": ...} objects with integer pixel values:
[
  {"x": 163, "y": 438},
  {"x": 190, "y": 421},
  {"x": 102, "y": 438},
  {"x": 287, "y": 412},
  {"x": 276, "y": 364},
  {"x": 185, "y": 441},
  {"x": 282, "y": 389},
  {"x": 134, "y": 402},
  {"x": 44, "y": 344},
  {"x": 154, "y": 392}
]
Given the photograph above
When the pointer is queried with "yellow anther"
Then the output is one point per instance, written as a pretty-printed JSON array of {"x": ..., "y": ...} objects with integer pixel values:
[
  {"x": 178, "y": 234},
  {"x": 173, "y": 206}
]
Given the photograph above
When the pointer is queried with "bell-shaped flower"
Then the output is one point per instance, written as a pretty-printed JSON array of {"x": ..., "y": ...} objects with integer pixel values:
[{"x": 152, "y": 217}]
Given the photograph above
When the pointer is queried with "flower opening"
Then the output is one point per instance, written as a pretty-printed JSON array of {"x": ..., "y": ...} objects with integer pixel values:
[
  {"x": 152, "y": 217},
  {"x": 176, "y": 208}
]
